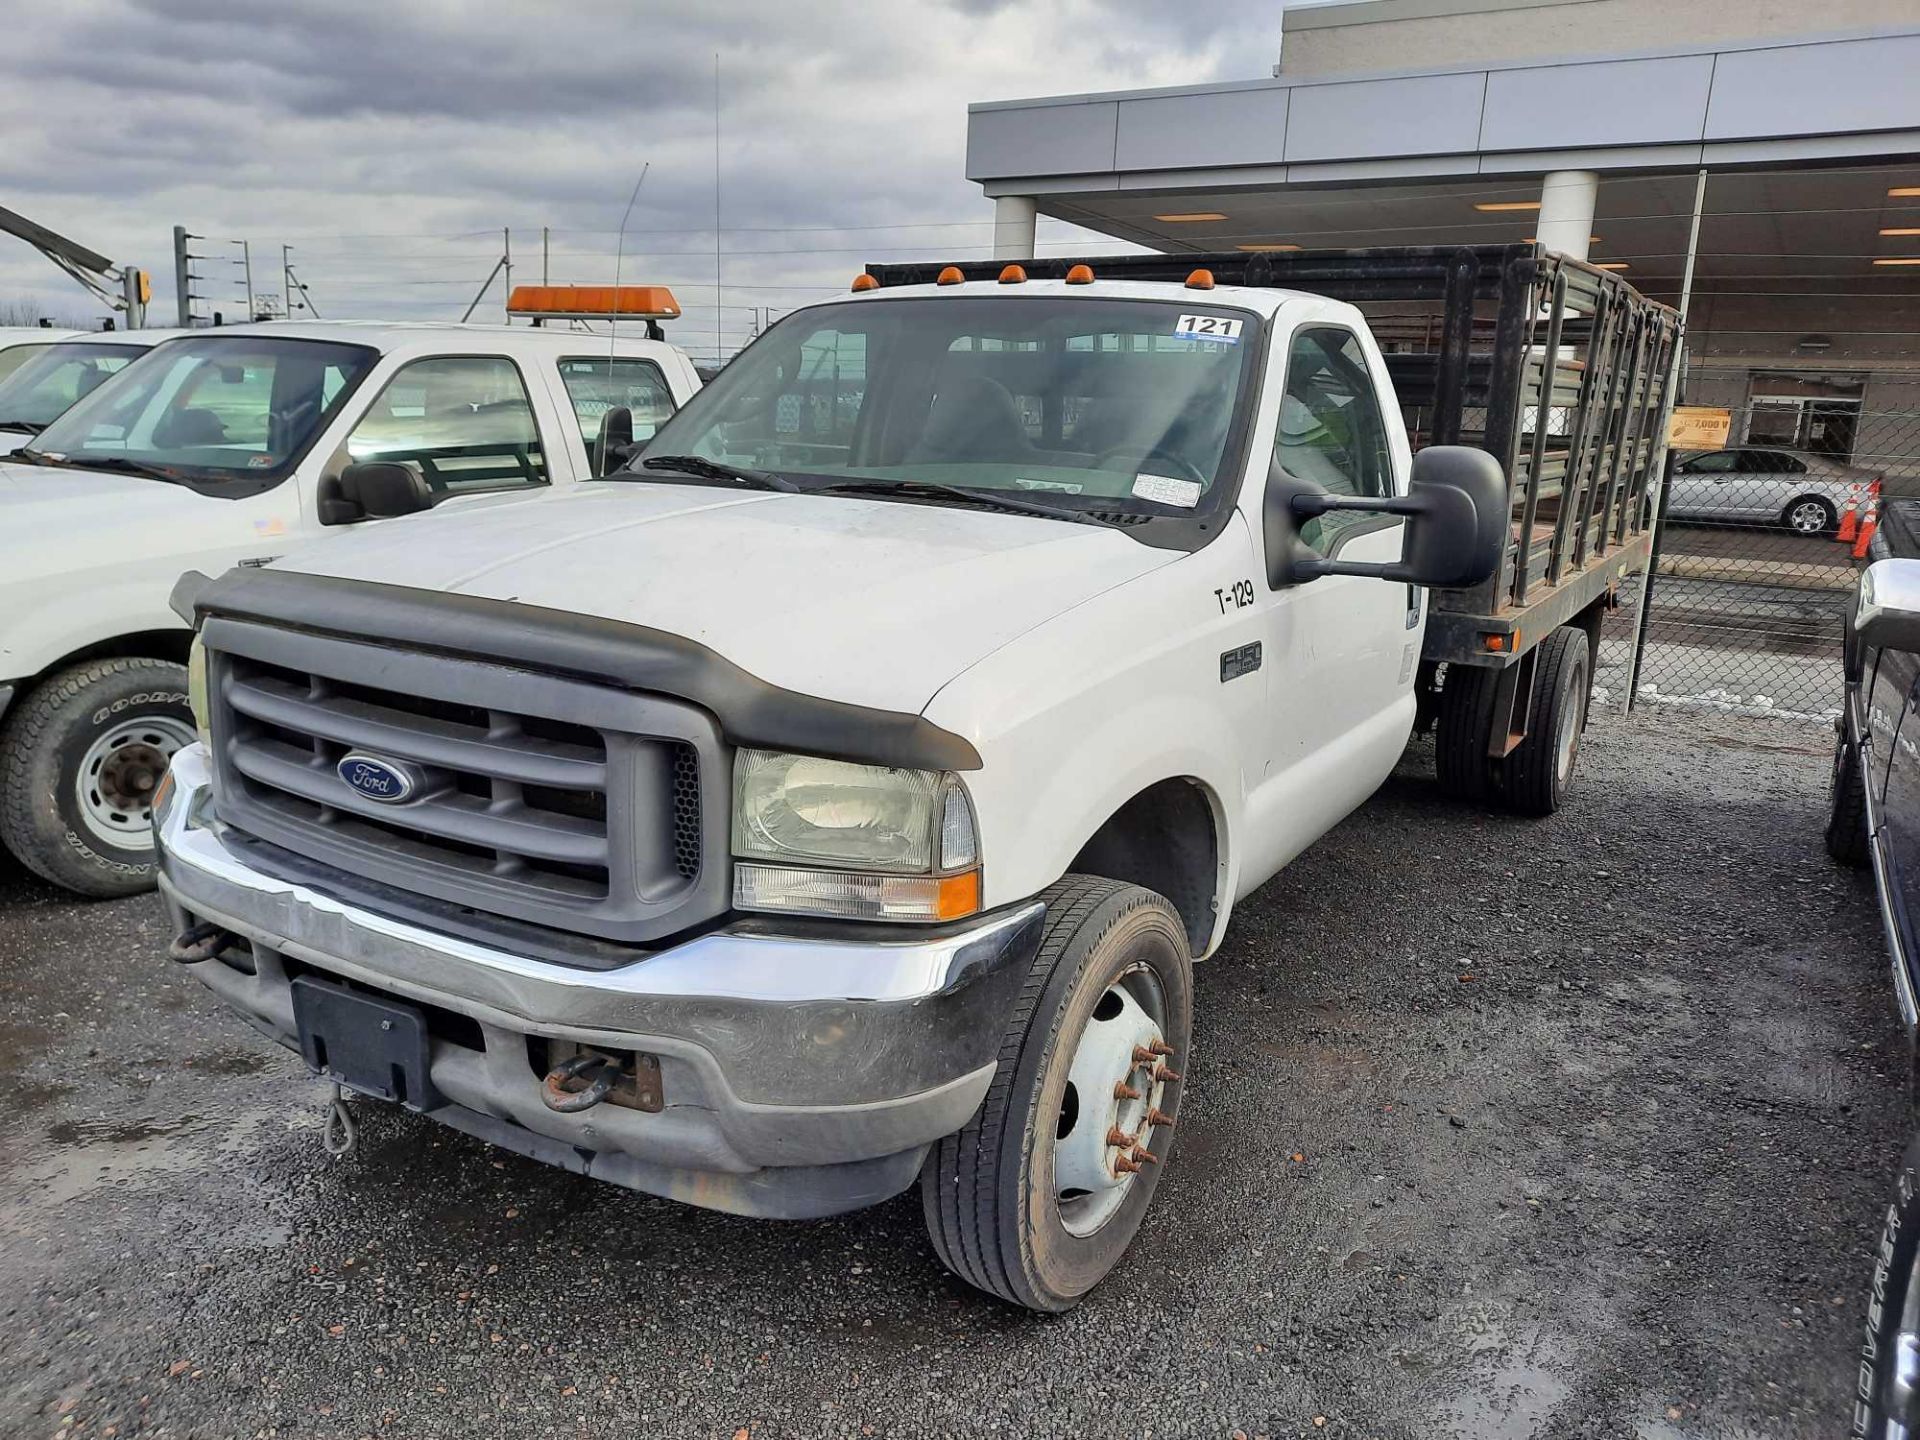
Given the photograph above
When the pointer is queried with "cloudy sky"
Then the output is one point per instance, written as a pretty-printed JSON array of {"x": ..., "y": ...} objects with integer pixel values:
[{"x": 390, "y": 141}]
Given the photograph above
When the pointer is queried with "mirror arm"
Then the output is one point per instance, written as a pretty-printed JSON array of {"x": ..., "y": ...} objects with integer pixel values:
[{"x": 1306, "y": 506}]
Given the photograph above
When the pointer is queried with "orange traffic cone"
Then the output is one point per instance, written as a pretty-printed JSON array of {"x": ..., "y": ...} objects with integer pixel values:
[
  {"x": 1867, "y": 527},
  {"x": 1849, "y": 522}
]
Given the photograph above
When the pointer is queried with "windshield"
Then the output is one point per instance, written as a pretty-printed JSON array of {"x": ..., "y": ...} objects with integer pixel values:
[
  {"x": 14, "y": 356},
  {"x": 54, "y": 377},
  {"x": 232, "y": 413},
  {"x": 1091, "y": 403}
]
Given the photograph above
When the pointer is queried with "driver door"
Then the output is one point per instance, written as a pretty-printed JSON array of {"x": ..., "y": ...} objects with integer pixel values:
[{"x": 1343, "y": 649}]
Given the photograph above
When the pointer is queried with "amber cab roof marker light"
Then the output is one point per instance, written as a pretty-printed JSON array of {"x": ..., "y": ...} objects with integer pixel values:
[
  {"x": 1200, "y": 280},
  {"x": 949, "y": 276},
  {"x": 1080, "y": 275},
  {"x": 1013, "y": 275},
  {"x": 863, "y": 281}
]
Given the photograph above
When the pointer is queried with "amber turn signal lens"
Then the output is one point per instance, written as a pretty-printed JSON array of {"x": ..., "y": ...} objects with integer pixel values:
[
  {"x": 957, "y": 896},
  {"x": 949, "y": 276},
  {"x": 1200, "y": 280},
  {"x": 864, "y": 281},
  {"x": 1080, "y": 275}
]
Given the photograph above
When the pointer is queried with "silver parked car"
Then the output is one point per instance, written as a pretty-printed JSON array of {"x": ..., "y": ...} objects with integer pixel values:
[{"x": 1764, "y": 484}]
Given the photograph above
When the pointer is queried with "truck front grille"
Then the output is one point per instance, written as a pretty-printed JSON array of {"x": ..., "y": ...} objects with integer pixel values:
[{"x": 538, "y": 798}]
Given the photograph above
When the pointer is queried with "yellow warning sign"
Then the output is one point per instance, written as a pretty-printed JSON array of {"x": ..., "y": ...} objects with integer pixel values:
[{"x": 1698, "y": 427}]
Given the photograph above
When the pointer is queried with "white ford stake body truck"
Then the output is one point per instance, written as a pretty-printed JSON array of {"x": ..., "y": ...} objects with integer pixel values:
[
  {"x": 840, "y": 795},
  {"x": 225, "y": 447}
]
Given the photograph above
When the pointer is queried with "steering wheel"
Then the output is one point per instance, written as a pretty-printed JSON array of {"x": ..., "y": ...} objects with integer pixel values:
[{"x": 1176, "y": 465}]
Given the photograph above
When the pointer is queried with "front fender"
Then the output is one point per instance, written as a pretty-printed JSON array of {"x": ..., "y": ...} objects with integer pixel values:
[{"x": 1078, "y": 716}]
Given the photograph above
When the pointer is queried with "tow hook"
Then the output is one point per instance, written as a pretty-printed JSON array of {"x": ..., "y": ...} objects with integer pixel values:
[
  {"x": 340, "y": 1136},
  {"x": 201, "y": 942},
  {"x": 599, "y": 1073}
]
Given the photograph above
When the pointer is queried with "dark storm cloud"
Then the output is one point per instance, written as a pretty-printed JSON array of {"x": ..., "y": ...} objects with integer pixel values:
[{"x": 380, "y": 137}]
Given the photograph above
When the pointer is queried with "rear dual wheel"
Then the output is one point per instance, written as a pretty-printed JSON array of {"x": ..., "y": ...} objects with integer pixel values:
[
  {"x": 1040, "y": 1195},
  {"x": 1533, "y": 779}
]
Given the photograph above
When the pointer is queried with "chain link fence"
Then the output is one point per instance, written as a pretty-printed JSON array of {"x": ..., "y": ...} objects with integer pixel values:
[{"x": 1757, "y": 558}]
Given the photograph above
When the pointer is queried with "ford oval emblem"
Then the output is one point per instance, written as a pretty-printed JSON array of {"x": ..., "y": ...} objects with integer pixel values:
[{"x": 388, "y": 781}]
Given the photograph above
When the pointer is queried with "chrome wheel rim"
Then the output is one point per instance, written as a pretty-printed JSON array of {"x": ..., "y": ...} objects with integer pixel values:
[
  {"x": 1809, "y": 517},
  {"x": 119, "y": 774},
  {"x": 1102, "y": 1131}
]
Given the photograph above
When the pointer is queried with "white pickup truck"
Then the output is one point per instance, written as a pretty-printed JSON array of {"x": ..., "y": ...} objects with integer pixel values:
[
  {"x": 841, "y": 794},
  {"x": 225, "y": 447}
]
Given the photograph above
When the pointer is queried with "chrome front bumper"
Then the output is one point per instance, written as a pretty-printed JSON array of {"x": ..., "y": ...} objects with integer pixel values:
[{"x": 801, "y": 1076}]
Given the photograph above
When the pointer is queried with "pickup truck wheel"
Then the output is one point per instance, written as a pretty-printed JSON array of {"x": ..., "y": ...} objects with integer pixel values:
[
  {"x": 1042, "y": 1192},
  {"x": 1463, "y": 731},
  {"x": 1847, "y": 807},
  {"x": 80, "y": 759},
  {"x": 1886, "y": 1387},
  {"x": 1539, "y": 772}
]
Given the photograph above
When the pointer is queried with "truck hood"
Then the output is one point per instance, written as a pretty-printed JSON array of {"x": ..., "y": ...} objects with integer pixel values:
[
  {"x": 871, "y": 602},
  {"x": 56, "y": 522}
]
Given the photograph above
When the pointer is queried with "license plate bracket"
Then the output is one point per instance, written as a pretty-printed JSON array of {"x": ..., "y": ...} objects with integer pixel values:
[{"x": 368, "y": 1043}]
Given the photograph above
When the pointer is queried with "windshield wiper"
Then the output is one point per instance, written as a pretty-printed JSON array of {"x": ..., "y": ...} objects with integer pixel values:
[
  {"x": 25, "y": 427},
  {"x": 699, "y": 465},
  {"x": 116, "y": 463},
  {"x": 985, "y": 499}
]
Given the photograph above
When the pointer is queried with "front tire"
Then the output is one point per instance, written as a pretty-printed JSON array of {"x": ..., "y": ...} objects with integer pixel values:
[
  {"x": 1031, "y": 1201},
  {"x": 1847, "y": 838},
  {"x": 80, "y": 759}
]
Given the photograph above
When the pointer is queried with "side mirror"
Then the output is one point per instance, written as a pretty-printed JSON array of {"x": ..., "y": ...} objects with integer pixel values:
[
  {"x": 615, "y": 445},
  {"x": 1457, "y": 522},
  {"x": 373, "y": 490},
  {"x": 1888, "y": 614}
]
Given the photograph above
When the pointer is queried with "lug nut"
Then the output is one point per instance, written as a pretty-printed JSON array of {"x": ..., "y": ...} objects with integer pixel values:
[
  {"x": 1143, "y": 1056},
  {"x": 1124, "y": 1091},
  {"x": 1163, "y": 1074},
  {"x": 1142, "y": 1155},
  {"x": 1157, "y": 1116},
  {"x": 1118, "y": 1137},
  {"x": 1160, "y": 1047},
  {"x": 1125, "y": 1166}
]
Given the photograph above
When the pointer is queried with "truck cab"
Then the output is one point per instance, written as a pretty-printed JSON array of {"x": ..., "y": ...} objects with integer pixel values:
[
  {"x": 226, "y": 447},
  {"x": 839, "y": 796}
]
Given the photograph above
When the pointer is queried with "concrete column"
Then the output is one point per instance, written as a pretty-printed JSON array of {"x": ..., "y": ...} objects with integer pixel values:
[
  {"x": 1013, "y": 227},
  {"x": 1566, "y": 211}
]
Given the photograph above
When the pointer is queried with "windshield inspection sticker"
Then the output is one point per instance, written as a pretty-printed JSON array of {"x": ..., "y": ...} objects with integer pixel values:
[
  {"x": 1166, "y": 490},
  {"x": 1208, "y": 327}
]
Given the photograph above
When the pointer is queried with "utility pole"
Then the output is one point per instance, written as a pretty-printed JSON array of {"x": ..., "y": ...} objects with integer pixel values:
[
  {"x": 182, "y": 276},
  {"x": 245, "y": 262},
  {"x": 545, "y": 236},
  {"x": 506, "y": 262},
  {"x": 296, "y": 288}
]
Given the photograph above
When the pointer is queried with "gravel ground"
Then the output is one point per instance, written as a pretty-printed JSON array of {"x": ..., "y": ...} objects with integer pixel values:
[{"x": 1495, "y": 1129}]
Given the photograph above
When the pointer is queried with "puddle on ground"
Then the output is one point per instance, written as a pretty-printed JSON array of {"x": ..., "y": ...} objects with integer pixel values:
[
  {"x": 91, "y": 1160},
  {"x": 1511, "y": 1383}
]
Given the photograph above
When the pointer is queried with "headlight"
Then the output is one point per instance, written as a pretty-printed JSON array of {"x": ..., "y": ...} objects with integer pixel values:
[
  {"x": 197, "y": 690},
  {"x": 826, "y": 837}
]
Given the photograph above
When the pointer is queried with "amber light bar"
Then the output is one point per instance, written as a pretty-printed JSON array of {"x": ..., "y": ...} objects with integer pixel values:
[{"x": 593, "y": 302}]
